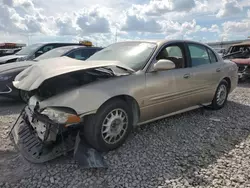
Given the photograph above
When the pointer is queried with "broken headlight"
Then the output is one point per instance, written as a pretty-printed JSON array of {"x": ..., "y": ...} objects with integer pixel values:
[{"x": 61, "y": 117}]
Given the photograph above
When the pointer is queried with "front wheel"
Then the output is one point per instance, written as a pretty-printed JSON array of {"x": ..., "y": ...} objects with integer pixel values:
[
  {"x": 221, "y": 95},
  {"x": 110, "y": 126}
]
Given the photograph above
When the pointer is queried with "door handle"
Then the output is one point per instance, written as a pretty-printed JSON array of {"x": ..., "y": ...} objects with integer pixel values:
[
  {"x": 186, "y": 76},
  {"x": 218, "y": 70}
]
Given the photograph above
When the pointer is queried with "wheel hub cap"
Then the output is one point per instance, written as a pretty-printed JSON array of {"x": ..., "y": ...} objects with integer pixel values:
[
  {"x": 114, "y": 126},
  {"x": 221, "y": 95}
]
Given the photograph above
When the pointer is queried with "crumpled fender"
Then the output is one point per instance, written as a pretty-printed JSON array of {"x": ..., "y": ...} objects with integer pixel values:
[{"x": 83, "y": 105}]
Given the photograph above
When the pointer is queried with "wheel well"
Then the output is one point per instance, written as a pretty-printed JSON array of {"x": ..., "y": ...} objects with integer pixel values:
[
  {"x": 133, "y": 104},
  {"x": 229, "y": 82}
]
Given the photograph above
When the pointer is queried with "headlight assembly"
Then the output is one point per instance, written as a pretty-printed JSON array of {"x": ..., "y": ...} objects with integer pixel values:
[
  {"x": 10, "y": 74},
  {"x": 61, "y": 117},
  {"x": 5, "y": 77}
]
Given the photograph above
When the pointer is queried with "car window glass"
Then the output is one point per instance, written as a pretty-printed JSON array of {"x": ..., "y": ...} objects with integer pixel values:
[
  {"x": 133, "y": 54},
  {"x": 174, "y": 54},
  {"x": 212, "y": 56},
  {"x": 56, "y": 52},
  {"x": 44, "y": 49},
  {"x": 174, "y": 51},
  {"x": 47, "y": 48},
  {"x": 82, "y": 54},
  {"x": 28, "y": 49},
  {"x": 199, "y": 55}
]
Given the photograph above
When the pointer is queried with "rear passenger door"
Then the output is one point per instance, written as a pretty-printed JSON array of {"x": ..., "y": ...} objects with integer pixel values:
[{"x": 204, "y": 72}]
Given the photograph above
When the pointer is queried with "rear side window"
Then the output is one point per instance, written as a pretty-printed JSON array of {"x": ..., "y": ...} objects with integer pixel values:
[
  {"x": 199, "y": 55},
  {"x": 212, "y": 56}
]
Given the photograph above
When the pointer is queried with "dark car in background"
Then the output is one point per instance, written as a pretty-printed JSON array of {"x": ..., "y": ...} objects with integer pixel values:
[
  {"x": 10, "y": 70},
  {"x": 33, "y": 51}
]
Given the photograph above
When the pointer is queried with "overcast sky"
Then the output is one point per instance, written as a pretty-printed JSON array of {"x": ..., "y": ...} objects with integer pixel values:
[{"x": 99, "y": 20}]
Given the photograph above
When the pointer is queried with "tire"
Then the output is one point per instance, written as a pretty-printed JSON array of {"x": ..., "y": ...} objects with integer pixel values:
[
  {"x": 93, "y": 129},
  {"x": 216, "y": 103}
]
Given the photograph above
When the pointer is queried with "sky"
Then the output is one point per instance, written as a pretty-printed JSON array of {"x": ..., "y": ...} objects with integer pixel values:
[{"x": 106, "y": 21}]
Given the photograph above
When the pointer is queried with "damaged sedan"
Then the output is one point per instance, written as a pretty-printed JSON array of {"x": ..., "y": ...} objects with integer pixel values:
[
  {"x": 92, "y": 107},
  {"x": 240, "y": 54}
]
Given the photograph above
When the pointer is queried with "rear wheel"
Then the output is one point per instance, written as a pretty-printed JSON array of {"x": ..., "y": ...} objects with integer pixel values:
[
  {"x": 110, "y": 126},
  {"x": 221, "y": 95}
]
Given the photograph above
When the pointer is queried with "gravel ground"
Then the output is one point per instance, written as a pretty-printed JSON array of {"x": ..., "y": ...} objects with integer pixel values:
[{"x": 201, "y": 148}]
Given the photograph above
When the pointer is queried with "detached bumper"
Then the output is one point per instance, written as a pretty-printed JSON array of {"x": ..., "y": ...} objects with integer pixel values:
[{"x": 31, "y": 147}]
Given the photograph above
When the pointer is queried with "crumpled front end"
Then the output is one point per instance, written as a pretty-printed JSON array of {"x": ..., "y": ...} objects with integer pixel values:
[
  {"x": 40, "y": 139},
  {"x": 53, "y": 122}
]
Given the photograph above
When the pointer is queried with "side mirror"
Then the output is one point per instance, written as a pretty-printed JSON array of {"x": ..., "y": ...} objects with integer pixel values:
[{"x": 163, "y": 64}]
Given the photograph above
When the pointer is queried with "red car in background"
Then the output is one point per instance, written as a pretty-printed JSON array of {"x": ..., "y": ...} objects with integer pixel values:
[{"x": 240, "y": 54}]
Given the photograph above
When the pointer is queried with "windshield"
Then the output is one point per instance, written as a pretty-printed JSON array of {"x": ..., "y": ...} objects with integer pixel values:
[
  {"x": 57, "y": 52},
  {"x": 28, "y": 49},
  {"x": 133, "y": 54}
]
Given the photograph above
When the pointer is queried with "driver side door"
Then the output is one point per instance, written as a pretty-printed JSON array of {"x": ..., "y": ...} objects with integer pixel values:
[{"x": 167, "y": 91}]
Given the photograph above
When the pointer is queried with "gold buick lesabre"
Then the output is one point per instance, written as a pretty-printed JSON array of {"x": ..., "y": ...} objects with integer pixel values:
[{"x": 125, "y": 84}]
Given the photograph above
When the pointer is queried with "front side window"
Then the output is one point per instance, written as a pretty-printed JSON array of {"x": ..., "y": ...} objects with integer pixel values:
[
  {"x": 199, "y": 55},
  {"x": 174, "y": 54},
  {"x": 133, "y": 54}
]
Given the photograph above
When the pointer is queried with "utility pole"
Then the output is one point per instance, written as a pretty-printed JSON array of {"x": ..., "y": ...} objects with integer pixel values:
[
  {"x": 115, "y": 34},
  {"x": 28, "y": 37}
]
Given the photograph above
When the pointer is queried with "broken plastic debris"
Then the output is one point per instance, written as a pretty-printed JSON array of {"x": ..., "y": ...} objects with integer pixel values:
[{"x": 214, "y": 119}]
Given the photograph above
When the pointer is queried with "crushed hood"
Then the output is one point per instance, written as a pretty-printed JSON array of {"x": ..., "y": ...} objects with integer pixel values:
[
  {"x": 15, "y": 65},
  {"x": 9, "y": 57},
  {"x": 32, "y": 77}
]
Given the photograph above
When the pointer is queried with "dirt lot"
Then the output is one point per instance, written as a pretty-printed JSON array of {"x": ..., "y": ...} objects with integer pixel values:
[{"x": 201, "y": 148}]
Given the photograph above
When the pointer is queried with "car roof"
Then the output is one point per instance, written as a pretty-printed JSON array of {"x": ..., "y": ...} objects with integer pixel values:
[
  {"x": 163, "y": 41},
  {"x": 242, "y": 44},
  {"x": 67, "y": 44}
]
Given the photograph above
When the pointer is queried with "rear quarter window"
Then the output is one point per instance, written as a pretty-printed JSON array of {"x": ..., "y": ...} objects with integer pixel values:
[{"x": 212, "y": 56}]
